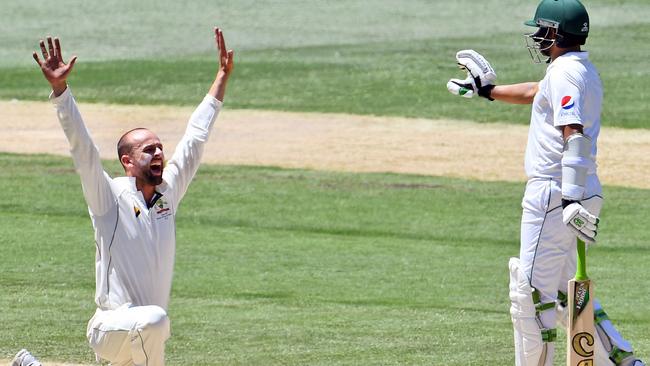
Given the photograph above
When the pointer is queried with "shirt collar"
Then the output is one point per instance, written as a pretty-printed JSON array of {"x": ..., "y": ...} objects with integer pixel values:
[
  {"x": 569, "y": 56},
  {"x": 128, "y": 184},
  {"x": 577, "y": 55}
]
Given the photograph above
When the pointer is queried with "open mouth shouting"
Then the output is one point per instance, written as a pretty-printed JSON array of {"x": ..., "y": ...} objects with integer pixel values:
[{"x": 156, "y": 168}]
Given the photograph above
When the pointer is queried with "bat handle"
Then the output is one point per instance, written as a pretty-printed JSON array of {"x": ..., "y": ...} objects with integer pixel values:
[{"x": 581, "y": 263}]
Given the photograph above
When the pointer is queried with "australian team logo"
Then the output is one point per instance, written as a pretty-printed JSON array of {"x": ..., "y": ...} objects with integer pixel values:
[
  {"x": 162, "y": 208},
  {"x": 567, "y": 102}
]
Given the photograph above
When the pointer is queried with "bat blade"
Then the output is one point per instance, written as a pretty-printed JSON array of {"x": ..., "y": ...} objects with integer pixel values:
[{"x": 581, "y": 332}]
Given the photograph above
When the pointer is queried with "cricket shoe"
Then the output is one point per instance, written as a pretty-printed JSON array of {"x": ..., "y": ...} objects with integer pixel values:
[{"x": 24, "y": 358}]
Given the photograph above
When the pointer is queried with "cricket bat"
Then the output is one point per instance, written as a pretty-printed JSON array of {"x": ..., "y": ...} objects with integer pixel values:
[{"x": 581, "y": 331}]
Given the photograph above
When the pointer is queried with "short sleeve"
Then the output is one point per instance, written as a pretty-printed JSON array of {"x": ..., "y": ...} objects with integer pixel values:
[{"x": 567, "y": 98}]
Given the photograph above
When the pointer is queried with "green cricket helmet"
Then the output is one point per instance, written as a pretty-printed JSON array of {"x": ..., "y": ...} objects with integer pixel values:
[
  {"x": 566, "y": 16},
  {"x": 570, "y": 24}
]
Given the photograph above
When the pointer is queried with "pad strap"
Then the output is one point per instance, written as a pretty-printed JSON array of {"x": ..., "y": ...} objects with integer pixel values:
[
  {"x": 617, "y": 355},
  {"x": 600, "y": 316},
  {"x": 539, "y": 305},
  {"x": 549, "y": 335}
]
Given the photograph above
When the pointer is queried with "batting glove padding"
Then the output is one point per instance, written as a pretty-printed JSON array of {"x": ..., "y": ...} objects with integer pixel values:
[
  {"x": 481, "y": 77},
  {"x": 465, "y": 88},
  {"x": 581, "y": 222}
]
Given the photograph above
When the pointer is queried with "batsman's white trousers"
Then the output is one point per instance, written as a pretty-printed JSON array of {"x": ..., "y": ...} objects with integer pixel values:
[
  {"x": 130, "y": 335},
  {"x": 548, "y": 247}
]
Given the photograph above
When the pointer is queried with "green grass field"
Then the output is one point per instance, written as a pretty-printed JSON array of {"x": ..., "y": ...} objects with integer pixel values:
[
  {"x": 361, "y": 57},
  {"x": 295, "y": 267}
]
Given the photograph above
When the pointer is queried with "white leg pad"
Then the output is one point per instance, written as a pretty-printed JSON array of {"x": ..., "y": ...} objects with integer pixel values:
[
  {"x": 607, "y": 337},
  {"x": 613, "y": 336},
  {"x": 530, "y": 350}
]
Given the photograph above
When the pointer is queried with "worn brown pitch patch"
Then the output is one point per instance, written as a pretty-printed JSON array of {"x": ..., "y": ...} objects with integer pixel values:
[{"x": 336, "y": 142}]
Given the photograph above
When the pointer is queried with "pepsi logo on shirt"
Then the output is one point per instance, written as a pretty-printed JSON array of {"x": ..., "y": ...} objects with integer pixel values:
[{"x": 567, "y": 102}]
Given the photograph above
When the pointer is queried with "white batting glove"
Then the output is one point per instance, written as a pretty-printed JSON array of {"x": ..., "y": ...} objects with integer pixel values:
[
  {"x": 481, "y": 77},
  {"x": 580, "y": 221},
  {"x": 465, "y": 88}
]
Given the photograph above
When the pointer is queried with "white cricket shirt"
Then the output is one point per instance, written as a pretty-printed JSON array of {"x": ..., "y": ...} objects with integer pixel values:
[
  {"x": 570, "y": 93},
  {"x": 135, "y": 245}
]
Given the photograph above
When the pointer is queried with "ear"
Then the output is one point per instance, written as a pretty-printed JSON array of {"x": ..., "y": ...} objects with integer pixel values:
[{"x": 126, "y": 161}]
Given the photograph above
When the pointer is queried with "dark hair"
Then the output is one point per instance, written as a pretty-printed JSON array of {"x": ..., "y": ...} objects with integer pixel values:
[{"x": 124, "y": 145}]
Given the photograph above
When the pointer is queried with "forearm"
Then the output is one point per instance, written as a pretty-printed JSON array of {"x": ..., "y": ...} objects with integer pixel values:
[
  {"x": 522, "y": 93},
  {"x": 202, "y": 119},
  {"x": 84, "y": 153},
  {"x": 576, "y": 162},
  {"x": 183, "y": 165},
  {"x": 81, "y": 144},
  {"x": 218, "y": 88}
]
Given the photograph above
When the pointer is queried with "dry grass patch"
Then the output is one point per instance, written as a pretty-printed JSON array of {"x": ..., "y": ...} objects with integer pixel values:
[{"x": 327, "y": 141}]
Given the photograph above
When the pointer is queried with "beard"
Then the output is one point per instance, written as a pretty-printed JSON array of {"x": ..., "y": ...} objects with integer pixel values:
[
  {"x": 148, "y": 170},
  {"x": 152, "y": 179}
]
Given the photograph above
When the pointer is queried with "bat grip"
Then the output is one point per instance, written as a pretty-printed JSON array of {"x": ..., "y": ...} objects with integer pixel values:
[{"x": 581, "y": 261}]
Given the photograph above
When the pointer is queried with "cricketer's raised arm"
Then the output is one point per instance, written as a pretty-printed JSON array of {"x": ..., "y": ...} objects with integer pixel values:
[
  {"x": 95, "y": 182},
  {"x": 183, "y": 165}
]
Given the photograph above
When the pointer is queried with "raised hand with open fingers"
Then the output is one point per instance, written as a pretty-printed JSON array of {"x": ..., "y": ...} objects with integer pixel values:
[
  {"x": 226, "y": 57},
  {"x": 54, "y": 69},
  {"x": 226, "y": 64}
]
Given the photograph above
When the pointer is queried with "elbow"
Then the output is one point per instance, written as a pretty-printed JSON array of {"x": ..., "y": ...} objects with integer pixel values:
[
  {"x": 570, "y": 130},
  {"x": 532, "y": 92}
]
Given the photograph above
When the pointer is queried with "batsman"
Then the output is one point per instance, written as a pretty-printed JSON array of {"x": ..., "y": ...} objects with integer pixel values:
[
  {"x": 563, "y": 195},
  {"x": 133, "y": 216}
]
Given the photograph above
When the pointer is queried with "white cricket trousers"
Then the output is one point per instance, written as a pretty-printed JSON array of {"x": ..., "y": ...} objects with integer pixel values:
[
  {"x": 548, "y": 246},
  {"x": 130, "y": 335}
]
